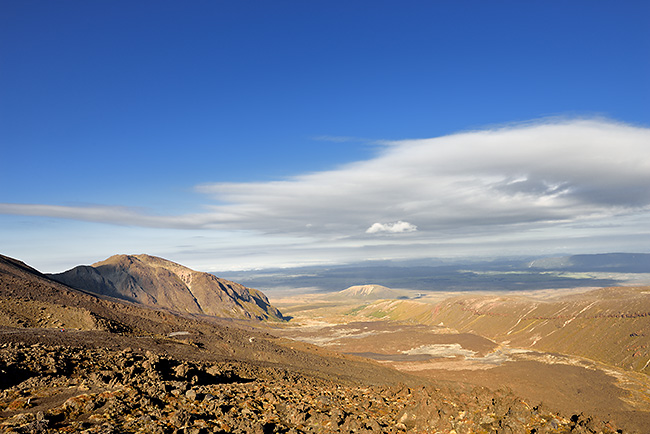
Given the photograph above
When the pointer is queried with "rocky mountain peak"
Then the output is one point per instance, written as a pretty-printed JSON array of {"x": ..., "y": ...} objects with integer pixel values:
[{"x": 163, "y": 284}]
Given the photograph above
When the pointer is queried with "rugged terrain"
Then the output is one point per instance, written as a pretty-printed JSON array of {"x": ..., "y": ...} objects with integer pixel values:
[
  {"x": 574, "y": 351},
  {"x": 65, "y": 388},
  {"x": 609, "y": 325},
  {"x": 73, "y": 361},
  {"x": 156, "y": 282},
  {"x": 35, "y": 308}
]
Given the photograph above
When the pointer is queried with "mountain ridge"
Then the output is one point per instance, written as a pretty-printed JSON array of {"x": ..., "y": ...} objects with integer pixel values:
[
  {"x": 34, "y": 308},
  {"x": 159, "y": 283},
  {"x": 617, "y": 261}
]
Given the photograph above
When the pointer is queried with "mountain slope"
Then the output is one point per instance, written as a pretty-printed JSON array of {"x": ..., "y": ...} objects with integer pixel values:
[
  {"x": 162, "y": 284},
  {"x": 35, "y": 308},
  {"x": 28, "y": 298},
  {"x": 610, "y": 325}
]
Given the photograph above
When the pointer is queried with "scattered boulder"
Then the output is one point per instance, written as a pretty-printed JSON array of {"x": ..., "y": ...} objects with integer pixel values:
[{"x": 102, "y": 391}]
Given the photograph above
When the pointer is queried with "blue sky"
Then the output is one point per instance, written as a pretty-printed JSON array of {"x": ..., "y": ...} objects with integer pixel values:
[{"x": 228, "y": 135}]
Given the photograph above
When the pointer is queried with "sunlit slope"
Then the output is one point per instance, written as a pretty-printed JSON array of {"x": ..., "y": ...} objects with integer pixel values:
[
  {"x": 396, "y": 310},
  {"x": 611, "y": 325},
  {"x": 159, "y": 283},
  {"x": 36, "y": 309}
]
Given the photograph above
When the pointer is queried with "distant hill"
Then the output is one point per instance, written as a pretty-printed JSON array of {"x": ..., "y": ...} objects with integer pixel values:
[
  {"x": 162, "y": 284},
  {"x": 367, "y": 292},
  {"x": 612, "y": 262}
]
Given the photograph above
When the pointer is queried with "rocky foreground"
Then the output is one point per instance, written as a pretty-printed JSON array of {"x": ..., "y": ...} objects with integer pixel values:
[{"x": 99, "y": 390}]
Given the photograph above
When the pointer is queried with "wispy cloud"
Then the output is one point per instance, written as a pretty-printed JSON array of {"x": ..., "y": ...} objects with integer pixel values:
[
  {"x": 488, "y": 182},
  {"x": 116, "y": 215}
]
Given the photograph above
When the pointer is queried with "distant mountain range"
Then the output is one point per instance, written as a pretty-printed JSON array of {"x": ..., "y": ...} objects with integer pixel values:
[
  {"x": 614, "y": 262},
  {"x": 495, "y": 274},
  {"x": 162, "y": 284}
]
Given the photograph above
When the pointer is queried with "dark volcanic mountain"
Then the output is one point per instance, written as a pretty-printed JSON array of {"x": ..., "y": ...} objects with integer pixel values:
[{"x": 162, "y": 284}]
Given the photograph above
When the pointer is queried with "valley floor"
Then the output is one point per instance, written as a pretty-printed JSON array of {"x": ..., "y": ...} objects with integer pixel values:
[{"x": 561, "y": 382}]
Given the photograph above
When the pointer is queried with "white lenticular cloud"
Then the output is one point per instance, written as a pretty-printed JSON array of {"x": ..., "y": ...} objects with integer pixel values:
[
  {"x": 393, "y": 228},
  {"x": 534, "y": 174},
  {"x": 488, "y": 184}
]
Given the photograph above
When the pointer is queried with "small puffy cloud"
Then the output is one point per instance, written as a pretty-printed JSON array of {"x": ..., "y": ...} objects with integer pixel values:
[{"x": 392, "y": 228}]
